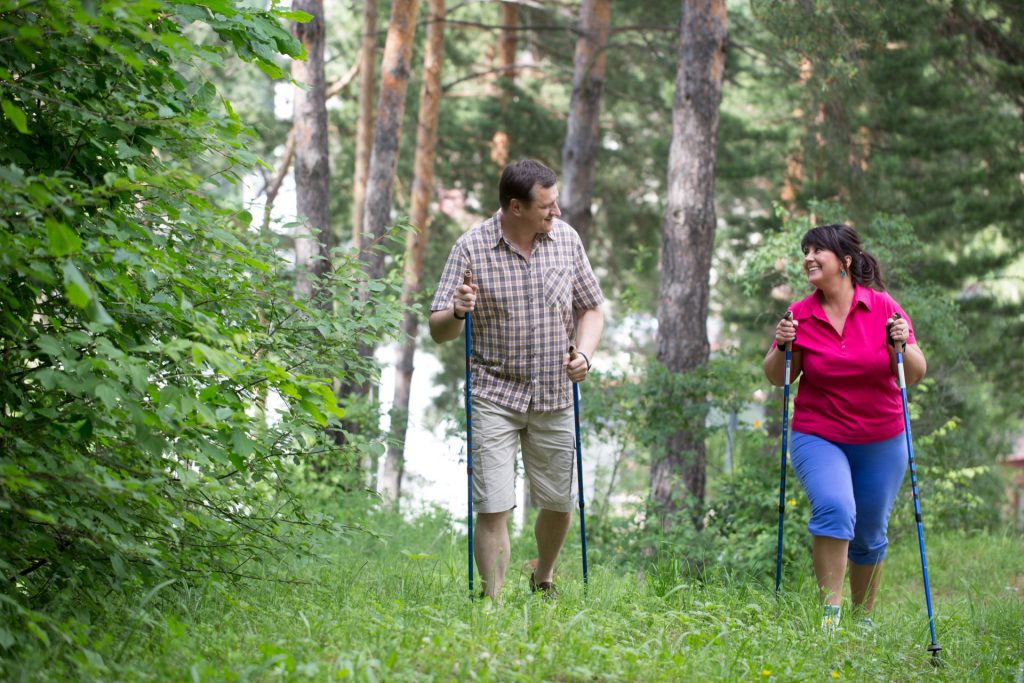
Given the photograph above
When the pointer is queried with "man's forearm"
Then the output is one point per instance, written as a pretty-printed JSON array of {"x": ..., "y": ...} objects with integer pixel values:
[
  {"x": 444, "y": 326},
  {"x": 588, "y": 331}
]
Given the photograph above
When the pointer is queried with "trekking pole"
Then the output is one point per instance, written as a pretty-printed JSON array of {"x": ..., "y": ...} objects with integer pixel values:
[
  {"x": 782, "y": 470},
  {"x": 467, "y": 280},
  {"x": 934, "y": 648},
  {"x": 579, "y": 469}
]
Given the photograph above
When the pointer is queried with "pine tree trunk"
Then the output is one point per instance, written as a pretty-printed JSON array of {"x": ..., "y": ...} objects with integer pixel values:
[
  {"x": 364, "y": 126},
  {"x": 416, "y": 242},
  {"x": 581, "y": 140},
  {"x": 688, "y": 236},
  {"x": 387, "y": 134},
  {"x": 508, "y": 44},
  {"x": 313, "y": 241}
]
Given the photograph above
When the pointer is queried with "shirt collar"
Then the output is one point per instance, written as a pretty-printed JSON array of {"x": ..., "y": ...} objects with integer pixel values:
[
  {"x": 495, "y": 237},
  {"x": 811, "y": 306},
  {"x": 861, "y": 296}
]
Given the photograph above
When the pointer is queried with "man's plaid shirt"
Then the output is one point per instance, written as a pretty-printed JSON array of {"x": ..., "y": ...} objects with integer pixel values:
[{"x": 525, "y": 319}]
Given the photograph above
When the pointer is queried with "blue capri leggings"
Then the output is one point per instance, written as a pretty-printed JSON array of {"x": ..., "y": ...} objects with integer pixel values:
[{"x": 852, "y": 488}]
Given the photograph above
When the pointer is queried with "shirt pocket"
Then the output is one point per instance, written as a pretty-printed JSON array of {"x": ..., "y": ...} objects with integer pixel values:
[{"x": 558, "y": 287}]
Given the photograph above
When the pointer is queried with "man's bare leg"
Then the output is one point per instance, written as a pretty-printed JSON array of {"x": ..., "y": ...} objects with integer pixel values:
[
  {"x": 550, "y": 530},
  {"x": 491, "y": 548}
]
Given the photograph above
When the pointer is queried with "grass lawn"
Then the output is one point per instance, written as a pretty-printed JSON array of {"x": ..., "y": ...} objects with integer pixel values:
[{"x": 394, "y": 608}]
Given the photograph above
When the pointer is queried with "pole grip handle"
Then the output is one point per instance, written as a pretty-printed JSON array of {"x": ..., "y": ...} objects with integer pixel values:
[
  {"x": 572, "y": 353},
  {"x": 788, "y": 316},
  {"x": 467, "y": 277},
  {"x": 888, "y": 331}
]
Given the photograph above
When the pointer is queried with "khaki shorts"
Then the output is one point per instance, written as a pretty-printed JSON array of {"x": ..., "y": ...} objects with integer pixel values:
[{"x": 548, "y": 442}]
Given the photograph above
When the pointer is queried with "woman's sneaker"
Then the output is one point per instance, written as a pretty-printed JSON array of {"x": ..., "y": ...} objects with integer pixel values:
[
  {"x": 866, "y": 624},
  {"x": 830, "y": 619}
]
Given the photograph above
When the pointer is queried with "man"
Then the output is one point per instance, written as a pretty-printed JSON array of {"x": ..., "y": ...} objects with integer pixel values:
[{"x": 533, "y": 295}]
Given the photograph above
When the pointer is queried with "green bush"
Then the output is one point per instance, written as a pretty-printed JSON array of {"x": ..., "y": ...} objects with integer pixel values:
[{"x": 147, "y": 332}]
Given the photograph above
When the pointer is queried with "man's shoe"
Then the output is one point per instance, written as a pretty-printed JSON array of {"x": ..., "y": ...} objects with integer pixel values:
[{"x": 545, "y": 587}]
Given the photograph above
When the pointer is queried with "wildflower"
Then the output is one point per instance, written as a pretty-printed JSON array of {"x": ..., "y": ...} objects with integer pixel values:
[
  {"x": 792, "y": 502},
  {"x": 835, "y": 674},
  {"x": 757, "y": 424},
  {"x": 766, "y": 672}
]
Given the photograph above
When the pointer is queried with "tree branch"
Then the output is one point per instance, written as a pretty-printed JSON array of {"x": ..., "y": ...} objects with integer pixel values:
[{"x": 481, "y": 74}]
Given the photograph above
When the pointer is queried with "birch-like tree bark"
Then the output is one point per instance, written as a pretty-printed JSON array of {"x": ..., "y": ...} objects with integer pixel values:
[
  {"x": 688, "y": 236},
  {"x": 364, "y": 125},
  {"x": 583, "y": 134},
  {"x": 416, "y": 242},
  {"x": 313, "y": 241}
]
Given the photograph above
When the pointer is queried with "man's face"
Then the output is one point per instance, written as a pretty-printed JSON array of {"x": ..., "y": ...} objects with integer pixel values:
[{"x": 543, "y": 210}]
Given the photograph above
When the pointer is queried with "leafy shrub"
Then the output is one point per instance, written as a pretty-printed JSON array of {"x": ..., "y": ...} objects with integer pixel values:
[{"x": 161, "y": 388}]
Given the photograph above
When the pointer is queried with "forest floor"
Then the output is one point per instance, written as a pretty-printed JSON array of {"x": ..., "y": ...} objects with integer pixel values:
[{"x": 394, "y": 607}]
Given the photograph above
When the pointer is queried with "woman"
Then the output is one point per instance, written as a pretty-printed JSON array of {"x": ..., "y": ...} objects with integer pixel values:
[{"x": 847, "y": 444}]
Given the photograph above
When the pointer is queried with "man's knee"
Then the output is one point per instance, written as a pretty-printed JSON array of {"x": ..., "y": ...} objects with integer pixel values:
[{"x": 493, "y": 519}]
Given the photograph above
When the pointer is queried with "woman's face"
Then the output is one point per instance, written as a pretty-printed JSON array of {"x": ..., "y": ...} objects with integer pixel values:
[{"x": 821, "y": 265}]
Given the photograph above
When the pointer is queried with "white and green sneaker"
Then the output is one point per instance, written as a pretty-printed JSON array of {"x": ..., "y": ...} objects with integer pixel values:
[{"x": 830, "y": 619}]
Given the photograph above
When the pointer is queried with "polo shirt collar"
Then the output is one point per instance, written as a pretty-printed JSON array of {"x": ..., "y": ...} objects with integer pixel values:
[{"x": 811, "y": 306}]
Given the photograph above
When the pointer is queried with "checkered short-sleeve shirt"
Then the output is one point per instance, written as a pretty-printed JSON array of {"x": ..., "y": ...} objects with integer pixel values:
[{"x": 525, "y": 316}]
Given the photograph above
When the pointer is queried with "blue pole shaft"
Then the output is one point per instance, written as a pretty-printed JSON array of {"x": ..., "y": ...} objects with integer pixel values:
[
  {"x": 469, "y": 445},
  {"x": 934, "y": 648},
  {"x": 579, "y": 476},
  {"x": 782, "y": 468}
]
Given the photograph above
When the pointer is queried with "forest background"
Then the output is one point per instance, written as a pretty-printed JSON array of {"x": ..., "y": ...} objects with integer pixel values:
[{"x": 189, "y": 381}]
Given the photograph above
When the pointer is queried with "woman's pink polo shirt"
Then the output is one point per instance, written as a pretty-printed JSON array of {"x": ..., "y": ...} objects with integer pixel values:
[{"x": 847, "y": 392}]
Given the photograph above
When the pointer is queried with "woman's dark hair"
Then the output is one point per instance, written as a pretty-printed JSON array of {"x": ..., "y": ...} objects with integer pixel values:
[
  {"x": 518, "y": 179},
  {"x": 843, "y": 241}
]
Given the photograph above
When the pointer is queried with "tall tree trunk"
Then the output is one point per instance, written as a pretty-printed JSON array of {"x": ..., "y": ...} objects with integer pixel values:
[
  {"x": 381, "y": 177},
  {"x": 312, "y": 170},
  {"x": 388, "y": 131},
  {"x": 508, "y": 44},
  {"x": 364, "y": 127},
  {"x": 688, "y": 236},
  {"x": 416, "y": 242},
  {"x": 583, "y": 134}
]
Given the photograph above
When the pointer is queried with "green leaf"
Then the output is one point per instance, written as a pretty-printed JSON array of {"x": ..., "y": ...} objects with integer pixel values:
[
  {"x": 241, "y": 444},
  {"x": 271, "y": 69},
  {"x": 107, "y": 394},
  {"x": 126, "y": 151},
  {"x": 294, "y": 15},
  {"x": 38, "y": 632},
  {"x": 15, "y": 115},
  {"x": 98, "y": 314},
  {"x": 75, "y": 286},
  {"x": 63, "y": 240}
]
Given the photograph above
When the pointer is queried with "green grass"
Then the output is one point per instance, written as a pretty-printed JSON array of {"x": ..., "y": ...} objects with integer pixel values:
[{"x": 396, "y": 609}]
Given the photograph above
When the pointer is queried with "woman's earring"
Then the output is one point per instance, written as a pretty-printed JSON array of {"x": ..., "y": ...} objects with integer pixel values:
[{"x": 842, "y": 273}]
